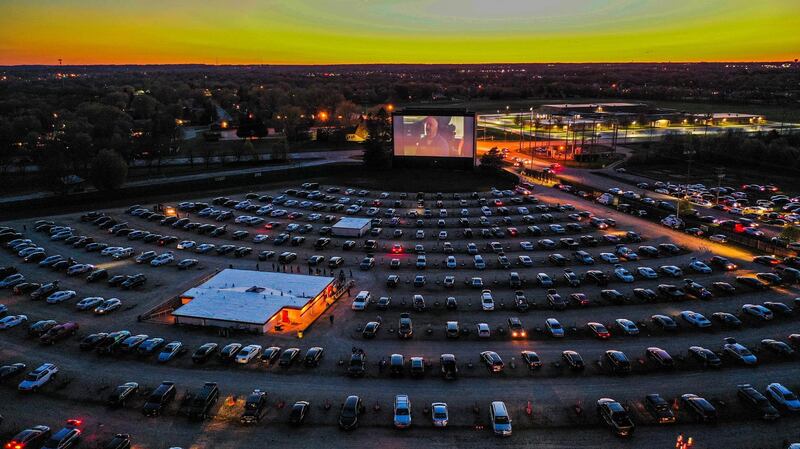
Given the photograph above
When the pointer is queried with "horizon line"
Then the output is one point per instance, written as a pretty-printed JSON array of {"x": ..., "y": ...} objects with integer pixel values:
[{"x": 167, "y": 64}]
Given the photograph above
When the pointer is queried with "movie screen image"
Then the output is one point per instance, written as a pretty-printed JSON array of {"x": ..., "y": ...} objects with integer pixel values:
[{"x": 433, "y": 136}]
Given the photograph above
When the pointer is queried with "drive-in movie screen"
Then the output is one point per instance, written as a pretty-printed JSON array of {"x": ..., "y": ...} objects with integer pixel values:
[{"x": 435, "y": 136}]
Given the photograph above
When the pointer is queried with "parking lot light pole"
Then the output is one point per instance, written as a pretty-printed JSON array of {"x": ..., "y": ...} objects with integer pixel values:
[
  {"x": 688, "y": 153},
  {"x": 720, "y": 176}
]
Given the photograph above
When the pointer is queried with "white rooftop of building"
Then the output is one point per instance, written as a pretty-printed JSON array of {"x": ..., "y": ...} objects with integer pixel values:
[
  {"x": 719, "y": 115},
  {"x": 352, "y": 223},
  {"x": 250, "y": 296},
  {"x": 590, "y": 105}
]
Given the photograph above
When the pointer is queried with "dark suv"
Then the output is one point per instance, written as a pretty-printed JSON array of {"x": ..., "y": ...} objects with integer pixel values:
[
  {"x": 201, "y": 402},
  {"x": 615, "y": 416},
  {"x": 255, "y": 407},
  {"x": 159, "y": 398}
]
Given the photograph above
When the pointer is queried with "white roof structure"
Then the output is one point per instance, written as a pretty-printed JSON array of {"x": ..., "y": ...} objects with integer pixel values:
[
  {"x": 251, "y": 297},
  {"x": 352, "y": 223}
]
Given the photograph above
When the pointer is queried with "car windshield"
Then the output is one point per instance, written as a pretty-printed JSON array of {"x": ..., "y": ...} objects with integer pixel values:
[
  {"x": 53, "y": 442},
  {"x": 501, "y": 419},
  {"x": 440, "y": 415},
  {"x": 348, "y": 412},
  {"x": 402, "y": 412},
  {"x": 619, "y": 417},
  {"x": 32, "y": 377}
]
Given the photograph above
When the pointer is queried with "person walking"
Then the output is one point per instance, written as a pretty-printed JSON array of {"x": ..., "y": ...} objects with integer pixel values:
[{"x": 331, "y": 318}]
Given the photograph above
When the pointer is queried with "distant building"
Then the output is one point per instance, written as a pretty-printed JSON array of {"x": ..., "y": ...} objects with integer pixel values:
[
  {"x": 351, "y": 227},
  {"x": 256, "y": 301}
]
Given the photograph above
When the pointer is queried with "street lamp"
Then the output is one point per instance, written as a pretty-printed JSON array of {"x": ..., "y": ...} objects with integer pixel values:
[
  {"x": 689, "y": 153},
  {"x": 720, "y": 177}
]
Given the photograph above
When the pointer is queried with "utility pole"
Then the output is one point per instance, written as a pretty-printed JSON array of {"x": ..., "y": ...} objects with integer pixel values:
[
  {"x": 720, "y": 177},
  {"x": 688, "y": 152}
]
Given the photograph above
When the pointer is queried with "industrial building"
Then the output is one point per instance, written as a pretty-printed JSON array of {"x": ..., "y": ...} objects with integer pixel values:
[
  {"x": 351, "y": 227},
  {"x": 256, "y": 301}
]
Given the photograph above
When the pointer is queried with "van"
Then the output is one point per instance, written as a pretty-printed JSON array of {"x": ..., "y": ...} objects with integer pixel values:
[
  {"x": 159, "y": 399},
  {"x": 500, "y": 419},
  {"x": 202, "y": 401},
  {"x": 361, "y": 300}
]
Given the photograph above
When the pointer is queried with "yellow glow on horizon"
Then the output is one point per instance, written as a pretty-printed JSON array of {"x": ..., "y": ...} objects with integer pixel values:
[{"x": 383, "y": 31}]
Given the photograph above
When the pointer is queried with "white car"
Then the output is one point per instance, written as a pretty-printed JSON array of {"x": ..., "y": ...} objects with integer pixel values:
[
  {"x": 783, "y": 396},
  {"x": 163, "y": 259},
  {"x": 123, "y": 254},
  {"x": 486, "y": 211},
  {"x": 718, "y": 238},
  {"x": 420, "y": 234},
  {"x": 484, "y": 331},
  {"x": 487, "y": 302},
  {"x": 465, "y": 212},
  {"x": 439, "y": 414},
  {"x": 260, "y": 238},
  {"x": 61, "y": 296},
  {"x": 89, "y": 303},
  {"x": 554, "y": 327},
  {"x": 442, "y": 235},
  {"x": 479, "y": 263},
  {"x": 248, "y": 353},
  {"x": 623, "y": 274},
  {"x": 527, "y": 246},
  {"x": 671, "y": 270},
  {"x": 647, "y": 272},
  {"x": 205, "y": 248},
  {"x": 525, "y": 261},
  {"x": 472, "y": 248},
  {"x": 108, "y": 306},
  {"x": 609, "y": 257},
  {"x": 80, "y": 268},
  {"x": 695, "y": 319},
  {"x": 361, "y": 300},
  {"x": 402, "y": 411},
  {"x": 628, "y": 327},
  {"x": 10, "y": 321},
  {"x": 38, "y": 377},
  {"x": 187, "y": 244},
  {"x": 111, "y": 250},
  {"x": 699, "y": 266},
  {"x": 758, "y": 311},
  {"x": 451, "y": 262}
]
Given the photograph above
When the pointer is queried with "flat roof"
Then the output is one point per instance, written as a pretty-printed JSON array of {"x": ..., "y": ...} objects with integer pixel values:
[
  {"x": 352, "y": 223},
  {"x": 591, "y": 105},
  {"x": 732, "y": 115},
  {"x": 251, "y": 297}
]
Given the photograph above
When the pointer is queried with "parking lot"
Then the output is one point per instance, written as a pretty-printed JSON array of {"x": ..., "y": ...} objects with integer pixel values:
[{"x": 458, "y": 274}]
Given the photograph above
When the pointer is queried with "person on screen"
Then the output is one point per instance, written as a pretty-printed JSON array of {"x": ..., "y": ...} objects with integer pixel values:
[{"x": 431, "y": 143}]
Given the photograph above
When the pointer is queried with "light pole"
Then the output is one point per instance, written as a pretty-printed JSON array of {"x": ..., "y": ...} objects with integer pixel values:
[
  {"x": 720, "y": 177},
  {"x": 688, "y": 152}
]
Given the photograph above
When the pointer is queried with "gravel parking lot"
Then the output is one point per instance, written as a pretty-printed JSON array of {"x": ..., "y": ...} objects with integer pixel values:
[{"x": 551, "y": 406}]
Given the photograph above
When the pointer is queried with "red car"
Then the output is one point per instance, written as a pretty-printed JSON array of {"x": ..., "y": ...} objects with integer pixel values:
[
  {"x": 59, "y": 332},
  {"x": 599, "y": 330}
]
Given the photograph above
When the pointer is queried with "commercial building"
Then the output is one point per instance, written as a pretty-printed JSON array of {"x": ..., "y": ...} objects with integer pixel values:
[
  {"x": 256, "y": 301},
  {"x": 351, "y": 227}
]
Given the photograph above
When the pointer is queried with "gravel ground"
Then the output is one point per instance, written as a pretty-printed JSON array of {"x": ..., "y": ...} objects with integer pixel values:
[{"x": 553, "y": 391}]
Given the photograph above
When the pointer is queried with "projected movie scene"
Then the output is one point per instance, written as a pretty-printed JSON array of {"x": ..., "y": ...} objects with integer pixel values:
[{"x": 441, "y": 136}]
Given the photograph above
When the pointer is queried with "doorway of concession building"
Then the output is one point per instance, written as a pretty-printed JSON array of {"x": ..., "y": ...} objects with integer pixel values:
[{"x": 284, "y": 316}]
